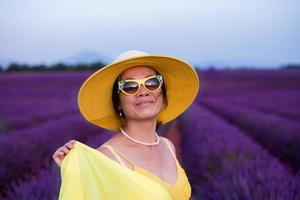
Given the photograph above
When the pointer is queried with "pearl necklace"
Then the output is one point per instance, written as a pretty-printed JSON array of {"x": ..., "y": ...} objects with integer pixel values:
[{"x": 140, "y": 142}]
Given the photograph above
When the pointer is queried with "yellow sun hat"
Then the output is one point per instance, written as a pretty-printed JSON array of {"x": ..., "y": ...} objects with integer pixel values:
[{"x": 95, "y": 95}]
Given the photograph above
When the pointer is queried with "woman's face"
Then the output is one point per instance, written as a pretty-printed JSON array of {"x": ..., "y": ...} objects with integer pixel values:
[{"x": 143, "y": 105}]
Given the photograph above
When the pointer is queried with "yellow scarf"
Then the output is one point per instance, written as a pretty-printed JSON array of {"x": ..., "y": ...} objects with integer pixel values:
[{"x": 87, "y": 174}]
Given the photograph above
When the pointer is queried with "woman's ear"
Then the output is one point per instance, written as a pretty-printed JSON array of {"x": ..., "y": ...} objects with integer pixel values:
[{"x": 120, "y": 110}]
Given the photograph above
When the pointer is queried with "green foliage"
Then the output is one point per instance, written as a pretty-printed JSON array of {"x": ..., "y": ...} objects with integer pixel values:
[{"x": 55, "y": 67}]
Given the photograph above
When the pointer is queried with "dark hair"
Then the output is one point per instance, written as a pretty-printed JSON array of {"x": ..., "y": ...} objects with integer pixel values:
[{"x": 116, "y": 99}]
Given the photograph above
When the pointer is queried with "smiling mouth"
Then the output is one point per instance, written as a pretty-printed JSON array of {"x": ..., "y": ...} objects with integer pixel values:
[{"x": 144, "y": 103}]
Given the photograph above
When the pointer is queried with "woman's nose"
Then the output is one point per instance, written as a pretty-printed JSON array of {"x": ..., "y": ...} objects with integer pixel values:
[{"x": 142, "y": 91}]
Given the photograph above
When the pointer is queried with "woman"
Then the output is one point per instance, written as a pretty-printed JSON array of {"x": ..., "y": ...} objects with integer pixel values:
[{"x": 133, "y": 95}]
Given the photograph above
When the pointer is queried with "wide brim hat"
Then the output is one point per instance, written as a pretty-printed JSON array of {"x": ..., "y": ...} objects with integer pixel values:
[{"x": 95, "y": 95}]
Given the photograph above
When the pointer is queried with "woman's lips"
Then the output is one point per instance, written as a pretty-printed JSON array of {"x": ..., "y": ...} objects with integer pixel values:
[{"x": 144, "y": 103}]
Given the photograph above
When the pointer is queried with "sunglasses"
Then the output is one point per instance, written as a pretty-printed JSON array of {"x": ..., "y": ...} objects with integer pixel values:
[{"x": 132, "y": 86}]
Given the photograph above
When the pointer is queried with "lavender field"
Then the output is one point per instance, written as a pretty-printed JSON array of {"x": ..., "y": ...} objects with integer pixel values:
[{"x": 240, "y": 139}]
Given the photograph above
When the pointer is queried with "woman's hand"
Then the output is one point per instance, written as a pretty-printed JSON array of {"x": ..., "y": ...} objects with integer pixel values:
[{"x": 62, "y": 151}]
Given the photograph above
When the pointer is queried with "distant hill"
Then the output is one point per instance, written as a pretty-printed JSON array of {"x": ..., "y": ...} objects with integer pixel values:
[{"x": 85, "y": 57}]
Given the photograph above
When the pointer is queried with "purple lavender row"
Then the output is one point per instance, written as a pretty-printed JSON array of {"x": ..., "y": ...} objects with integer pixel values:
[
  {"x": 222, "y": 162},
  {"x": 45, "y": 185},
  {"x": 279, "y": 135},
  {"x": 36, "y": 79},
  {"x": 34, "y": 104},
  {"x": 32, "y": 98},
  {"x": 35, "y": 86},
  {"x": 36, "y": 117},
  {"x": 225, "y": 80},
  {"x": 285, "y": 103},
  {"x": 25, "y": 152}
]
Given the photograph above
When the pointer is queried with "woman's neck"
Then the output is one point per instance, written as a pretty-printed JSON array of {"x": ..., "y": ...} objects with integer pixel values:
[{"x": 141, "y": 130}]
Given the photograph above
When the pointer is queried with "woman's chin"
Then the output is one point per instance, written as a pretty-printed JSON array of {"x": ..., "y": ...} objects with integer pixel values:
[{"x": 147, "y": 115}]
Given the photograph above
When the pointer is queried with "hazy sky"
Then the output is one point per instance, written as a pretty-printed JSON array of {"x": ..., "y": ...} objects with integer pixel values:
[{"x": 232, "y": 32}]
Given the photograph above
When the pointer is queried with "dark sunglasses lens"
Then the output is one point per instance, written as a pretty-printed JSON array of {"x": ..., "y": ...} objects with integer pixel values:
[
  {"x": 152, "y": 84},
  {"x": 130, "y": 87}
]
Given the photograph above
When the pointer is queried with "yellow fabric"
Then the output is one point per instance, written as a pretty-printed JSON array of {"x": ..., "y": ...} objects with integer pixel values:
[
  {"x": 180, "y": 190},
  {"x": 87, "y": 174}
]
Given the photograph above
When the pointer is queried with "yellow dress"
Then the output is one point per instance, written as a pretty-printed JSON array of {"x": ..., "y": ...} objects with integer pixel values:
[{"x": 87, "y": 174}]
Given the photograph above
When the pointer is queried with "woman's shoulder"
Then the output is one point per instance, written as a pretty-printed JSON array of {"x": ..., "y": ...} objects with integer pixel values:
[
  {"x": 113, "y": 141},
  {"x": 105, "y": 150},
  {"x": 115, "y": 145},
  {"x": 170, "y": 142}
]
